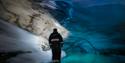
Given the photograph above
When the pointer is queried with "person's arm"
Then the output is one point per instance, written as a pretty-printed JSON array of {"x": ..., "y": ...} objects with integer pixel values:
[
  {"x": 61, "y": 40},
  {"x": 50, "y": 37}
]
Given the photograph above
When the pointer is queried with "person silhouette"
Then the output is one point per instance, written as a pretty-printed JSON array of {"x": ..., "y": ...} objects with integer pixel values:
[{"x": 56, "y": 42}]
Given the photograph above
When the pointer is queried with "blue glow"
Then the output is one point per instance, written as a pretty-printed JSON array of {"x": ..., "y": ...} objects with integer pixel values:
[{"x": 102, "y": 24}]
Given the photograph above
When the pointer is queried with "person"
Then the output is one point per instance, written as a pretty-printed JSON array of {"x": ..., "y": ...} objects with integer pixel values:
[{"x": 56, "y": 42}]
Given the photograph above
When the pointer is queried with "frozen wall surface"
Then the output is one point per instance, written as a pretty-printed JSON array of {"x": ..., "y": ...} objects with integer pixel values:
[{"x": 97, "y": 28}]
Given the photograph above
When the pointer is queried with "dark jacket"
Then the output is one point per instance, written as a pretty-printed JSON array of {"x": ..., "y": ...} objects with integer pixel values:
[{"x": 55, "y": 40}]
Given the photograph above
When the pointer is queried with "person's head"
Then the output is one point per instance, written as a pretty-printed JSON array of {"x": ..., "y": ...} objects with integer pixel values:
[{"x": 55, "y": 30}]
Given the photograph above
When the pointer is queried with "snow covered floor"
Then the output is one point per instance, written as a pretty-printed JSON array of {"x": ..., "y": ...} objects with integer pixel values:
[{"x": 13, "y": 39}]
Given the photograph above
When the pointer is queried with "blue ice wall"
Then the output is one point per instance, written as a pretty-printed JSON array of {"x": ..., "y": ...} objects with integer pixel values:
[{"x": 97, "y": 27}]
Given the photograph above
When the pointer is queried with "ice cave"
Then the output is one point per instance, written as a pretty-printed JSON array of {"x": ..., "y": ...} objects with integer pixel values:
[{"x": 93, "y": 30}]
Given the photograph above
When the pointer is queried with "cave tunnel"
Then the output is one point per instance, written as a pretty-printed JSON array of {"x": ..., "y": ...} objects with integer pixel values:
[{"x": 96, "y": 31}]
